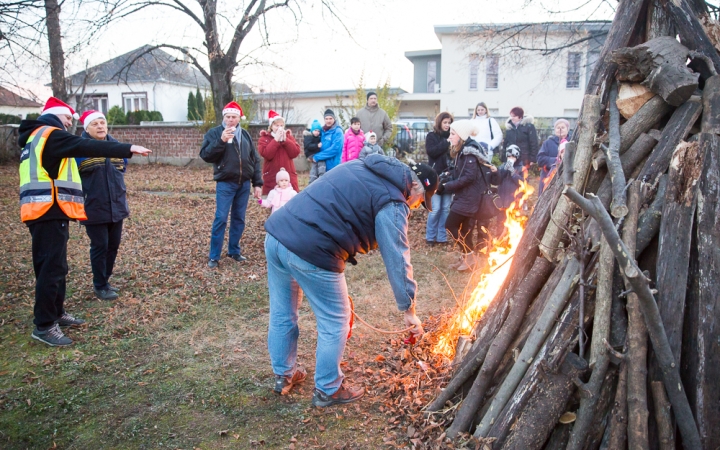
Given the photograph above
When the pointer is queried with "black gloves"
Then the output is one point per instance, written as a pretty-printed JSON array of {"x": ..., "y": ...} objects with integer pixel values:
[{"x": 440, "y": 189}]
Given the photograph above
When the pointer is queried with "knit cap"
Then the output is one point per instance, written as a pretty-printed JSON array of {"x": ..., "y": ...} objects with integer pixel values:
[
  {"x": 282, "y": 175},
  {"x": 315, "y": 125},
  {"x": 464, "y": 128}
]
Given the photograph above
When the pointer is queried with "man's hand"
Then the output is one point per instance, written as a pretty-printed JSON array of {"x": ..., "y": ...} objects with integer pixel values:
[
  {"x": 140, "y": 150},
  {"x": 257, "y": 192},
  {"x": 492, "y": 167},
  {"x": 227, "y": 134},
  {"x": 411, "y": 320},
  {"x": 319, "y": 144}
]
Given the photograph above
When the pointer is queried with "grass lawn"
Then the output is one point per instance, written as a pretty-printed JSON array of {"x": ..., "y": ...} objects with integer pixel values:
[{"x": 180, "y": 360}]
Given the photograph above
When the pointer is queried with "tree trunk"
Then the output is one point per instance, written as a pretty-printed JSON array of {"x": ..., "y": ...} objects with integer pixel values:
[
  {"x": 587, "y": 128},
  {"x": 701, "y": 347},
  {"x": 544, "y": 409},
  {"x": 544, "y": 325},
  {"x": 57, "y": 56},
  {"x": 518, "y": 304},
  {"x": 663, "y": 416},
  {"x": 221, "y": 71},
  {"x": 674, "y": 132}
]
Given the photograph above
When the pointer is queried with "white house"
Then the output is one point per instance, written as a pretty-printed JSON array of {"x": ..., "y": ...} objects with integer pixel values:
[
  {"x": 15, "y": 105},
  {"x": 140, "y": 80},
  {"x": 540, "y": 67}
]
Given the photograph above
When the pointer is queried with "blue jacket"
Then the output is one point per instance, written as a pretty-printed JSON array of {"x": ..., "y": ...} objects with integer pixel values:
[
  {"x": 103, "y": 182},
  {"x": 332, "y": 146},
  {"x": 359, "y": 206},
  {"x": 547, "y": 156}
]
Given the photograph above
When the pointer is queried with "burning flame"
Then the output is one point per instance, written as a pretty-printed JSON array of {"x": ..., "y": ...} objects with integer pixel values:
[{"x": 500, "y": 252}]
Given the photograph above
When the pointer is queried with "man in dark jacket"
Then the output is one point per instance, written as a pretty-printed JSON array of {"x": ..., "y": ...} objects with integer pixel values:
[
  {"x": 103, "y": 181},
  {"x": 520, "y": 131},
  {"x": 356, "y": 207},
  {"x": 236, "y": 165},
  {"x": 49, "y": 199}
]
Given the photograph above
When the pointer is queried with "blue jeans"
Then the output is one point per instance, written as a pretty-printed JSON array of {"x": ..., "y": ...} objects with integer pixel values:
[
  {"x": 328, "y": 296},
  {"x": 435, "y": 230},
  {"x": 229, "y": 195}
]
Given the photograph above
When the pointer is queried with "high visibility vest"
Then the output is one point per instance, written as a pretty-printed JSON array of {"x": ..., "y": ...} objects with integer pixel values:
[{"x": 38, "y": 191}]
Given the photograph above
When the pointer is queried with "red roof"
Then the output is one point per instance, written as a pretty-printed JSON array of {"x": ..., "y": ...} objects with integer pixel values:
[{"x": 9, "y": 98}]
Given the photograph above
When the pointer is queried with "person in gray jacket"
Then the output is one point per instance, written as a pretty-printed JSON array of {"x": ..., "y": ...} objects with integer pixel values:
[{"x": 375, "y": 119}]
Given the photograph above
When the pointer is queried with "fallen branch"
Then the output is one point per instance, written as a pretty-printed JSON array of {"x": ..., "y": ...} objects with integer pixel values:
[
  {"x": 662, "y": 416},
  {"x": 618, "y": 207}
]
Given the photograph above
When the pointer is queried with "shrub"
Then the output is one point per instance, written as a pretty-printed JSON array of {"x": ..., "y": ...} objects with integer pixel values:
[
  {"x": 156, "y": 116},
  {"x": 9, "y": 118},
  {"x": 32, "y": 116},
  {"x": 135, "y": 117},
  {"x": 116, "y": 116},
  {"x": 192, "y": 107},
  {"x": 199, "y": 104}
]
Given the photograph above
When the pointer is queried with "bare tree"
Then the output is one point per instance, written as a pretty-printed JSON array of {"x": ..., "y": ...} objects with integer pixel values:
[{"x": 222, "y": 61}]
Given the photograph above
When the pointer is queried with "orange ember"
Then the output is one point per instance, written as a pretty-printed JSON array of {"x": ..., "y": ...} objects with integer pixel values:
[{"x": 500, "y": 252}]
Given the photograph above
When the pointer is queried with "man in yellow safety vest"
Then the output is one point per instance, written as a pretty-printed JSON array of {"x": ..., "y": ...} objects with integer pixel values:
[{"x": 50, "y": 196}]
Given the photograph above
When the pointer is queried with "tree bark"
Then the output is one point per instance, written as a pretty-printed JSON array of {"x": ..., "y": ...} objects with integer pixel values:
[
  {"x": 640, "y": 285},
  {"x": 618, "y": 206},
  {"x": 57, "y": 56},
  {"x": 600, "y": 336},
  {"x": 658, "y": 22},
  {"x": 649, "y": 221},
  {"x": 711, "y": 106},
  {"x": 559, "y": 437},
  {"x": 663, "y": 417},
  {"x": 544, "y": 409},
  {"x": 518, "y": 305},
  {"x": 674, "y": 132},
  {"x": 691, "y": 31},
  {"x": 587, "y": 128},
  {"x": 619, "y": 414},
  {"x": 701, "y": 347},
  {"x": 544, "y": 325}
]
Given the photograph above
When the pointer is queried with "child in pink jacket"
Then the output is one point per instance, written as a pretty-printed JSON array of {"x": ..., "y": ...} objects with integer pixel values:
[
  {"x": 354, "y": 141},
  {"x": 281, "y": 194}
]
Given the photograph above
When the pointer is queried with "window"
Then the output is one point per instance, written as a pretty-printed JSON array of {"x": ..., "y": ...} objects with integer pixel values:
[
  {"x": 573, "y": 70},
  {"x": 492, "y": 66},
  {"x": 98, "y": 102},
  {"x": 431, "y": 75},
  {"x": 474, "y": 67},
  {"x": 135, "y": 101}
]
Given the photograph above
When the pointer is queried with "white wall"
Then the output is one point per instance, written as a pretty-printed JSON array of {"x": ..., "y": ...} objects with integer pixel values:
[
  {"x": 535, "y": 83},
  {"x": 20, "y": 111}
]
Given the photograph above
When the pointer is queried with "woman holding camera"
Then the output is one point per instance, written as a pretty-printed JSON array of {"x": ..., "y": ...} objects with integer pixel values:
[{"x": 437, "y": 147}]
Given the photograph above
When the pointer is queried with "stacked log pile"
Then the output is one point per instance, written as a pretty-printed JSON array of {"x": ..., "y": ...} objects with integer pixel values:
[{"x": 605, "y": 334}]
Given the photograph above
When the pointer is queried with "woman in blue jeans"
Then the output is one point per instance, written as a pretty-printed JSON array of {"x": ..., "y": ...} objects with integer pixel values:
[{"x": 437, "y": 147}]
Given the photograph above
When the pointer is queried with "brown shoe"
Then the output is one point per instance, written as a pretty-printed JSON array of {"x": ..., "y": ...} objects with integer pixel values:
[
  {"x": 283, "y": 385},
  {"x": 342, "y": 395},
  {"x": 468, "y": 262}
]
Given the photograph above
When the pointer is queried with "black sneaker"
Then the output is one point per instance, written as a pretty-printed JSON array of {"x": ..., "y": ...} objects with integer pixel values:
[
  {"x": 53, "y": 336},
  {"x": 212, "y": 263},
  {"x": 112, "y": 288},
  {"x": 283, "y": 385},
  {"x": 238, "y": 258},
  {"x": 105, "y": 294},
  {"x": 66, "y": 320},
  {"x": 343, "y": 395}
]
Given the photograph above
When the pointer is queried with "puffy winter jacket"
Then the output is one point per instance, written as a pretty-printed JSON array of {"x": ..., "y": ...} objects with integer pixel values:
[
  {"x": 489, "y": 132},
  {"x": 353, "y": 145},
  {"x": 332, "y": 145},
  {"x": 310, "y": 143},
  {"x": 230, "y": 161},
  {"x": 437, "y": 147},
  {"x": 524, "y": 135},
  {"x": 469, "y": 185},
  {"x": 277, "y": 155}
]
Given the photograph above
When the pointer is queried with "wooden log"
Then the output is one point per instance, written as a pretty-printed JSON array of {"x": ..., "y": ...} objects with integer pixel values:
[
  {"x": 618, "y": 206},
  {"x": 626, "y": 16},
  {"x": 637, "y": 428},
  {"x": 711, "y": 106},
  {"x": 649, "y": 115},
  {"x": 600, "y": 336},
  {"x": 518, "y": 304},
  {"x": 542, "y": 412},
  {"x": 663, "y": 417},
  {"x": 701, "y": 346},
  {"x": 559, "y": 342},
  {"x": 691, "y": 31},
  {"x": 658, "y": 22},
  {"x": 631, "y": 97},
  {"x": 674, "y": 132},
  {"x": 653, "y": 321},
  {"x": 619, "y": 414},
  {"x": 649, "y": 221},
  {"x": 601, "y": 420},
  {"x": 559, "y": 437},
  {"x": 660, "y": 65},
  {"x": 555, "y": 305},
  {"x": 587, "y": 128}
]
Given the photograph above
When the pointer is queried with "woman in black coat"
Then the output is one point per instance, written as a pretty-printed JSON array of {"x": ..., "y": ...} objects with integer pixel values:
[
  {"x": 472, "y": 175},
  {"x": 520, "y": 131},
  {"x": 437, "y": 147},
  {"x": 106, "y": 207}
]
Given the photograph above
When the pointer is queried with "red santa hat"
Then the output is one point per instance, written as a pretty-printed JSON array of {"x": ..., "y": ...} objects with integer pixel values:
[
  {"x": 233, "y": 108},
  {"x": 90, "y": 115},
  {"x": 58, "y": 107},
  {"x": 273, "y": 116}
]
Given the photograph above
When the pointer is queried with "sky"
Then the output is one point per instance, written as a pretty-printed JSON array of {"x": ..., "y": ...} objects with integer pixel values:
[{"x": 319, "y": 53}]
